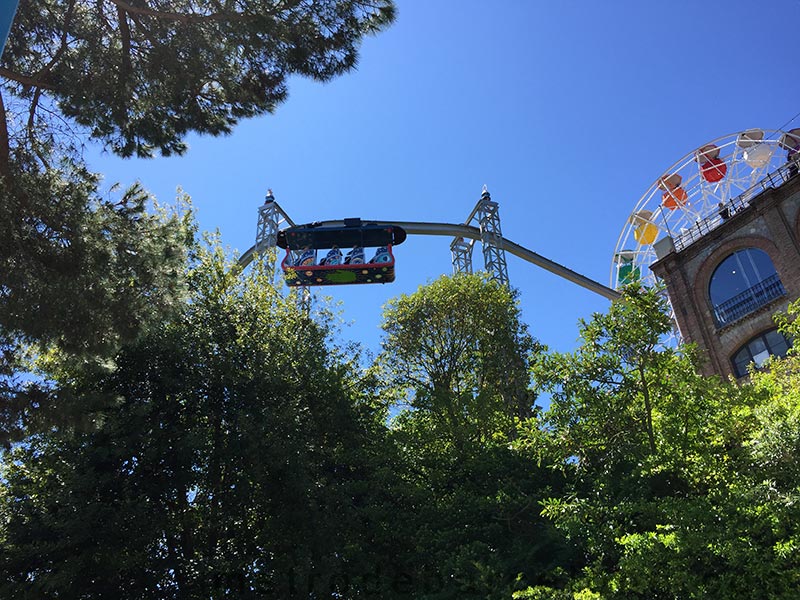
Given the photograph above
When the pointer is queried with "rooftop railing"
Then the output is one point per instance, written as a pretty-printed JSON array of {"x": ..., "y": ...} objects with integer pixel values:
[{"x": 734, "y": 205}]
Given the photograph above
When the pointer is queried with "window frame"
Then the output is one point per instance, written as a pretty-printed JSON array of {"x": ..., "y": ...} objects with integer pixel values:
[
  {"x": 739, "y": 373},
  {"x": 763, "y": 286}
]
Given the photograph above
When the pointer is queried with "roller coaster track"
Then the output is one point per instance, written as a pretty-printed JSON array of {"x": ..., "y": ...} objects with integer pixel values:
[{"x": 470, "y": 232}]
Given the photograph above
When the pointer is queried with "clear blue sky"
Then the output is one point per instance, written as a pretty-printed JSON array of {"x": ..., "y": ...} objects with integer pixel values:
[{"x": 567, "y": 110}]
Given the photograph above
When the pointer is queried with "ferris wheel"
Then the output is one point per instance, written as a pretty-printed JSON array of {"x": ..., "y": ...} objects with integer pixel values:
[{"x": 700, "y": 191}]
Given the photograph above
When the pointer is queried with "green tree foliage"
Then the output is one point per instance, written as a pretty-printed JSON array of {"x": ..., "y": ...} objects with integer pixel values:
[
  {"x": 139, "y": 76},
  {"x": 233, "y": 451},
  {"x": 681, "y": 486},
  {"x": 225, "y": 456},
  {"x": 457, "y": 350},
  {"x": 775, "y": 445},
  {"x": 85, "y": 270},
  {"x": 456, "y": 357},
  {"x": 79, "y": 280},
  {"x": 83, "y": 279}
]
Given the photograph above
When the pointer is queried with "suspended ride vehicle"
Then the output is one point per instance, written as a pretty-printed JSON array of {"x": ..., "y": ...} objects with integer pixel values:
[{"x": 353, "y": 236}]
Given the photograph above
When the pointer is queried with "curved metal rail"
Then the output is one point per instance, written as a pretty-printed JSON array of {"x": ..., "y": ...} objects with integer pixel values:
[{"x": 468, "y": 231}]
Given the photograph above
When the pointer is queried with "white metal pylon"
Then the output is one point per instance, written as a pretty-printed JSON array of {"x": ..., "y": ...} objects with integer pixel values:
[
  {"x": 494, "y": 257},
  {"x": 461, "y": 254},
  {"x": 270, "y": 218},
  {"x": 487, "y": 215}
]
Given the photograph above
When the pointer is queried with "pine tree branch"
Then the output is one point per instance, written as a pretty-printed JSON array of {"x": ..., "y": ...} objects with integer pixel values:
[
  {"x": 144, "y": 31},
  {"x": 38, "y": 81},
  {"x": 64, "y": 35},
  {"x": 99, "y": 5},
  {"x": 25, "y": 79},
  {"x": 4, "y": 148},
  {"x": 44, "y": 72},
  {"x": 37, "y": 148},
  {"x": 125, "y": 33},
  {"x": 181, "y": 17}
]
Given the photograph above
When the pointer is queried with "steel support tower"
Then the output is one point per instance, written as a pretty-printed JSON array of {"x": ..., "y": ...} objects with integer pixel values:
[
  {"x": 494, "y": 257},
  {"x": 461, "y": 254},
  {"x": 487, "y": 215},
  {"x": 270, "y": 218}
]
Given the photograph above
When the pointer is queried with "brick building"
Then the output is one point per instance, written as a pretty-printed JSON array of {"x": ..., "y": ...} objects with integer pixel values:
[{"x": 731, "y": 272}]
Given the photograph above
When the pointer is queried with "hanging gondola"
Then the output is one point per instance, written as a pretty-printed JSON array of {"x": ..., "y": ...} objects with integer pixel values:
[{"x": 347, "y": 246}]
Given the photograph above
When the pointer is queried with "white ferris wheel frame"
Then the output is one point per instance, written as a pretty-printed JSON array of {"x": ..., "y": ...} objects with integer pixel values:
[{"x": 702, "y": 209}]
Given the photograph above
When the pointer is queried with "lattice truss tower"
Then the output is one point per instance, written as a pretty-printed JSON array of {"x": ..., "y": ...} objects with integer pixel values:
[{"x": 485, "y": 216}]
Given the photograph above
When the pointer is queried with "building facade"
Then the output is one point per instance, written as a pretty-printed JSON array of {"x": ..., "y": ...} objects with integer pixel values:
[{"x": 728, "y": 275}]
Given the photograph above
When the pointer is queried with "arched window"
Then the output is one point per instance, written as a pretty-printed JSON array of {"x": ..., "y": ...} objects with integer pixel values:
[
  {"x": 758, "y": 349},
  {"x": 745, "y": 281}
]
